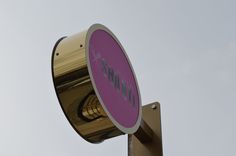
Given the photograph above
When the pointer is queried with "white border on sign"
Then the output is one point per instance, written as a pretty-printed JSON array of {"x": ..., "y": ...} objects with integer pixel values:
[{"x": 90, "y": 31}]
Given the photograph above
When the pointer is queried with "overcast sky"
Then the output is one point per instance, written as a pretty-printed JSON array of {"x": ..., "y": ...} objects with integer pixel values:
[{"x": 183, "y": 53}]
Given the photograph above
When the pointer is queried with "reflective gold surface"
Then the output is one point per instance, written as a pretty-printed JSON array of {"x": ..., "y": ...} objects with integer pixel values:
[
  {"x": 75, "y": 91},
  {"x": 139, "y": 144}
]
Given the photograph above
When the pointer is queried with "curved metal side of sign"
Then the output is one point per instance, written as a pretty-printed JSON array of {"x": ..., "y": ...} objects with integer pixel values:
[{"x": 96, "y": 85}]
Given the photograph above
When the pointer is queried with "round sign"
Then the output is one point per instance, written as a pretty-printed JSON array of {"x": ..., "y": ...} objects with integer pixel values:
[{"x": 113, "y": 78}]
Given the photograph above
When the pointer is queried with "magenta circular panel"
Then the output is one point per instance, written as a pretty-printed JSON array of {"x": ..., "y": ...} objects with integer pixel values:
[{"x": 113, "y": 78}]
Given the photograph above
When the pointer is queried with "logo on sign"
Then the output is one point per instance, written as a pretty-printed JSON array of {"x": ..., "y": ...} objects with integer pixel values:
[{"x": 112, "y": 76}]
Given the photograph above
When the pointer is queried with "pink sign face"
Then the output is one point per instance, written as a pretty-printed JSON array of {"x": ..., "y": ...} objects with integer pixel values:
[{"x": 114, "y": 79}]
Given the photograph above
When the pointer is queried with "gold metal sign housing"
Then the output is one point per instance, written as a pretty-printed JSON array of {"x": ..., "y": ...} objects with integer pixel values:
[
  {"x": 139, "y": 144},
  {"x": 75, "y": 90}
]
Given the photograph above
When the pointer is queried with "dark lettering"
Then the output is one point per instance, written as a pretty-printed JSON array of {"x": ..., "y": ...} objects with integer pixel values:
[
  {"x": 111, "y": 75},
  {"x": 104, "y": 67},
  {"x": 124, "y": 89},
  {"x": 130, "y": 95},
  {"x": 117, "y": 82}
]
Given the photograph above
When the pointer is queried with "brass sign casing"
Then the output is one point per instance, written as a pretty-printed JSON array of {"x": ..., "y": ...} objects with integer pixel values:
[{"x": 76, "y": 93}]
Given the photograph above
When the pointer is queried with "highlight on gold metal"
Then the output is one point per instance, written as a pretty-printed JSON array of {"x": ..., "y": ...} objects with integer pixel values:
[{"x": 75, "y": 90}]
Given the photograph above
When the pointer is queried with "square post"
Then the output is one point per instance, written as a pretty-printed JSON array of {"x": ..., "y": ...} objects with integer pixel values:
[{"x": 147, "y": 141}]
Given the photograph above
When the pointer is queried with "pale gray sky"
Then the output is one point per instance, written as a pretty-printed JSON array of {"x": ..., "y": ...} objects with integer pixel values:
[{"x": 183, "y": 53}]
